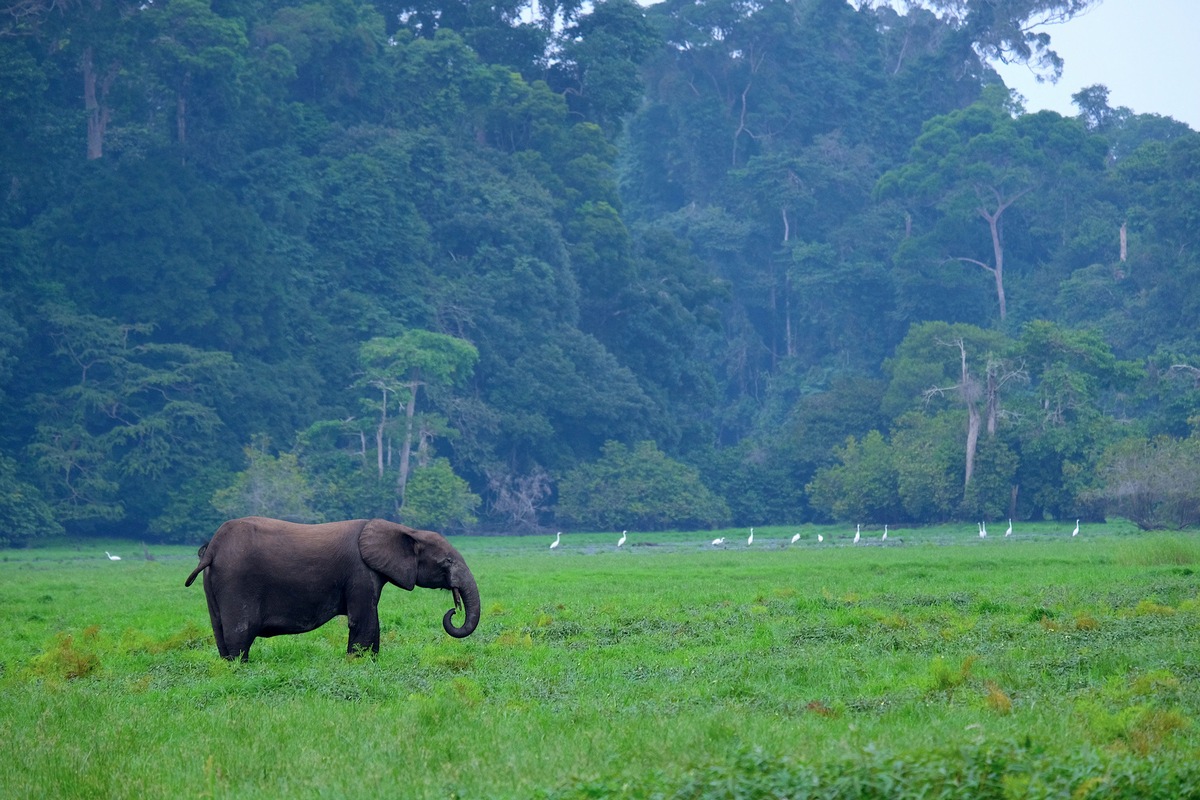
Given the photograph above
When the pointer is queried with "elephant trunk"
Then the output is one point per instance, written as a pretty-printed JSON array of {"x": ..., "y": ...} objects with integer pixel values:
[{"x": 466, "y": 597}]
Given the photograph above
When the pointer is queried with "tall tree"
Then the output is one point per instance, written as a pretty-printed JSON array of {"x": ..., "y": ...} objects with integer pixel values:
[
  {"x": 415, "y": 362},
  {"x": 979, "y": 163},
  {"x": 136, "y": 411}
]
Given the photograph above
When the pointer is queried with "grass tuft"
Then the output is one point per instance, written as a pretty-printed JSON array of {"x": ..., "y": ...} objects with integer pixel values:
[
  {"x": 1159, "y": 550},
  {"x": 997, "y": 699},
  {"x": 1148, "y": 608},
  {"x": 64, "y": 661},
  {"x": 945, "y": 677}
]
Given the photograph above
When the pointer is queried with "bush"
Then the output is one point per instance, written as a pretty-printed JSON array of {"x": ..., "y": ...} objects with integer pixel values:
[
  {"x": 862, "y": 487},
  {"x": 1155, "y": 483},
  {"x": 24, "y": 513},
  {"x": 640, "y": 488},
  {"x": 435, "y": 497}
]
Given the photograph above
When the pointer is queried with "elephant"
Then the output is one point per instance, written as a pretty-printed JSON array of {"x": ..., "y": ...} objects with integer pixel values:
[{"x": 266, "y": 577}]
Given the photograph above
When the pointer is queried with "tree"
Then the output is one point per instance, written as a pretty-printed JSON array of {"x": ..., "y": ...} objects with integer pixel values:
[
  {"x": 928, "y": 459},
  {"x": 270, "y": 486},
  {"x": 980, "y": 162},
  {"x": 1155, "y": 483},
  {"x": 1007, "y": 30},
  {"x": 437, "y": 498},
  {"x": 861, "y": 486},
  {"x": 970, "y": 162},
  {"x": 963, "y": 363},
  {"x": 599, "y": 57},
  {"x": 24, "y": 513},
  {"x": 398, "y": 368},
  {"x": 1065, "y": 424},
  {"x": 136, "y": 414},
  {"x": 640, "y": 488}
]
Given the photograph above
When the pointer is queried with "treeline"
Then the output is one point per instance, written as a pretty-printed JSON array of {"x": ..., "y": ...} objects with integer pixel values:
[{"x": 495, "y": 267}]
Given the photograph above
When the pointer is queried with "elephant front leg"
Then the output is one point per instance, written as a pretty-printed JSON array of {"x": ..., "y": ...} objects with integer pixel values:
[{"x": 364, "y": 632}]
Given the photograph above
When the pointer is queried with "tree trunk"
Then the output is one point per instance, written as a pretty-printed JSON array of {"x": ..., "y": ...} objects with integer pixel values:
[
  {"x": 970, "y": 393},
  {"x": 993, "y": 399},
  {"x": 95, "y": 92},
  {"x": 410, "y": 411},
  {"x": 379, "y": 433},
  {"x": 998, "y": 254}
]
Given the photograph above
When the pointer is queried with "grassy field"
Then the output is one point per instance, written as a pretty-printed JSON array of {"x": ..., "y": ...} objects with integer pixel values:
[{"x": 938, "y": 665}]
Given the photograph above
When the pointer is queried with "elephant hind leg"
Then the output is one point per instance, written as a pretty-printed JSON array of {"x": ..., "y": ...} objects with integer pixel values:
[
  {"x": 237, "y": 645},
  {"x": 214, "y": 616},
  {"x": 233, "y": 643}
]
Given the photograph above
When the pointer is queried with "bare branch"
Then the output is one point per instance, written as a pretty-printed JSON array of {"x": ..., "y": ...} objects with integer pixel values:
[{"x": 966, "y": 260}]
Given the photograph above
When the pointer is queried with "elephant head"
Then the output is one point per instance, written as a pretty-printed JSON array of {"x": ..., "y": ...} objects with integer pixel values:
[{"x": 409, "y": 557}]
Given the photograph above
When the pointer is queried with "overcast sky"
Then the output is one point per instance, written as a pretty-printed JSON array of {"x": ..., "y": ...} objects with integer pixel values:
[{"x": 1147, "y": 52}]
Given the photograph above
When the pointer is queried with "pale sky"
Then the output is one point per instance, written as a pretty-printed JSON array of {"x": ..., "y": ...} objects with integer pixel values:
[{"x": 1147, "y": 52}]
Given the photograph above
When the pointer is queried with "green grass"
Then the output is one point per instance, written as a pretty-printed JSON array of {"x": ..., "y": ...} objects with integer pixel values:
[{"x": 936, "y": 666}]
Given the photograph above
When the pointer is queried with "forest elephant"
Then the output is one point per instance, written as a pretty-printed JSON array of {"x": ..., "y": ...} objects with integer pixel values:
[{"x": 266, "y": 577}]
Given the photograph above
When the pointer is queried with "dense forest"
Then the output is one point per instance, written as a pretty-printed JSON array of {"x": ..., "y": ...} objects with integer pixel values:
[{"x": 502, "y": 266}]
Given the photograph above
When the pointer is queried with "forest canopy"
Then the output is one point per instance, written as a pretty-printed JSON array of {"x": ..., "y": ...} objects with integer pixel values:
[{"x": 495, "y": 267}]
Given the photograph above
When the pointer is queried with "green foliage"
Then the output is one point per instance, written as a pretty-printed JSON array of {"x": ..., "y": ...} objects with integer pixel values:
[
  {"x": 24, "y": 513},
  {"x": 270, "y": 486},
  {"x": 505, "y": 234},
  {"x": 928, "y": 458},
  {"x": 133, "y": 412},
  {"x": 862, "y": 487},
  {"x": 639, "y": 488},
  {"x": 1155, "y": 483},
  {"x": 435, "y": 498}
]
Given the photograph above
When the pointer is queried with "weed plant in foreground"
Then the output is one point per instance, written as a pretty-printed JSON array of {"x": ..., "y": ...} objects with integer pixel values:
[{"x": 938, "y": 666}]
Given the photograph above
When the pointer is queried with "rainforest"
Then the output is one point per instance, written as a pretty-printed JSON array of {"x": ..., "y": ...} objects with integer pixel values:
[{"x": 518, "y": 266}]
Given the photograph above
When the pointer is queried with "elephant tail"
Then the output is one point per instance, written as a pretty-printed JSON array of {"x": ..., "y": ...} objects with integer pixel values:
[{"x": 205, "y": 560}]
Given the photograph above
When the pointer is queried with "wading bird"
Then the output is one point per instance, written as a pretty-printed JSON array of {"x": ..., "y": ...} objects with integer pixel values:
[
  {"x": 557, "y": 537},
  {"x": 795, "y": 538},
  {"x": 1009, "y": 531},
  {"x": 621, "y": 541},
  {"x": 982, "y": 531},
  {"x": 857, "y": 532},
  {"x": 1076, "y": 531},
  {"x": 718, "y": 542},
  {"x": 111, "y": 557},
  {"x": 820, "y": 538},
  {"x": 884, "y": 537},
  {"x": 750, "y": 539}
]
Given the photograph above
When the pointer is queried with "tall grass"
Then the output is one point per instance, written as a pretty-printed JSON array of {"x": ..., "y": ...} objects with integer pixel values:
[{"x": 941, "y": 665}]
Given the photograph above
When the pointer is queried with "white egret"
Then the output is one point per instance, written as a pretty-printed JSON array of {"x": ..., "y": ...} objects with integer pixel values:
[
  {"x": 718, "y": 542},
  {"x": 820, "y": 538},
  {"x": 1009, "y": 531},
  {"x": 1076, "y": 531},
  {"x": 857, "y": 532},
  {"x": 884, "y": 537},
  {"x": 750, "y": 539},
  {"x": 111, "y": 557},
  {"x": 621, "y": 541},
  {"x": 557, "y": 538},
  {"x": 795, "y": 538},
  {"x": 982, "y": 530}
]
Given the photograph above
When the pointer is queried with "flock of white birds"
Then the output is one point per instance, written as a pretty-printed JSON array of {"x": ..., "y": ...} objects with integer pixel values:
[
  {"x": 858, "y": 537},
  {"x": 720, "y": 541}
]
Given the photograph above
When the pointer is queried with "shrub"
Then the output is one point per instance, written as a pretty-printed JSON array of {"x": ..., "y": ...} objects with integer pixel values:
[{"x": 640, "y": 488}]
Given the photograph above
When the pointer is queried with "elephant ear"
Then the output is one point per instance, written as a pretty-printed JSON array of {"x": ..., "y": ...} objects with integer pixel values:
[{"x": 391, "y": 550}]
